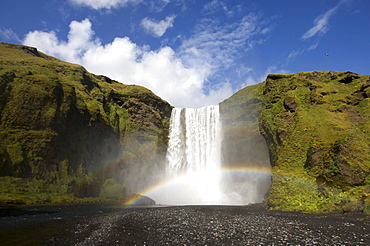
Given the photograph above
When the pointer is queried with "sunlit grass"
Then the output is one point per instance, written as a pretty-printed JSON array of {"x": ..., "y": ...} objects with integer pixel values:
[
  {"x": 43, "y": 99},
  {"x": 332, "y": 120}
]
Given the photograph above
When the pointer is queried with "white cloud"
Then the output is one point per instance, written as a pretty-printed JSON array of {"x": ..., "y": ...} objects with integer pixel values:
[
  {"x": 214, "y": 6},
  {"x": 80, "y": 39},
  {"x": 9, "y": 34},
  {"x": 215, "y": 45},
  {"x": 217, "y": 6},
  {"x": 191, "y": 76},
  {"x": 162, "y": 71},
  {"x": 295, "y": 53},
  {"x": 104, "y": 4},
  {"x": 158, "y": 28},
  {"x": 154, "y": 5},
  {"x": 313, "y": 46},
  {"x": 157, "y": 5},
  {"x": 321, "y": 23}
]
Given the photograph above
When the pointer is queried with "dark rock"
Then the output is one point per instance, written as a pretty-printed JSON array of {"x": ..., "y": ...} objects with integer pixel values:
[
  {"x": 313, "y": 157},
  {"x": 31, "y": 50},
  {"x": 348, "y": 77},
  {"x": 316, "y": 98},
  {"x": 58, "y": 122},
  {"x": 277, "y": 76},
  {"x": 333, "y": 167},
  {"x": 348, "y": 174},
  {"x": 354, "y": 99},
  {"x": 142, "y": 200},
  {"x": 314, "y": 76},
  {"x": 364, "y": 91},
  {"x": 311, "y": 86},
  {"x": 290, "y": 104}
]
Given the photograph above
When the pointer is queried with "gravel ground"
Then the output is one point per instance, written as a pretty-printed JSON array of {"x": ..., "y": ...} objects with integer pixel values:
[{"x": 207, "y": 225}]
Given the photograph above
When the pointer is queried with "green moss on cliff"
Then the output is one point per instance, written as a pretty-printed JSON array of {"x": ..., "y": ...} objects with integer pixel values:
[
  {"x": 62, "y": 125},
  {"x": 316, "y": 125},
  {"x": 317, "y": 128}
]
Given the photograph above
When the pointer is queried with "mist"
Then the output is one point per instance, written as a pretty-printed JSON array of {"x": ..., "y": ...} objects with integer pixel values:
[{"x": 208, "y": 162}]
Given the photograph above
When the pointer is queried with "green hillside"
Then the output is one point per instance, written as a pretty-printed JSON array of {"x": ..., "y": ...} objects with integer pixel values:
[
  {"x": 317, "y": 129},
  {"x": 67, "y": 134}
]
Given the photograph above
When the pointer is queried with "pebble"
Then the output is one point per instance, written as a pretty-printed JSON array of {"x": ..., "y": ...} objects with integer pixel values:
[{"x": 219, "y": 225}]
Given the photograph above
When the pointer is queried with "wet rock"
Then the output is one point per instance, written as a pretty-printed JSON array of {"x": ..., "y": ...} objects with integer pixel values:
[{"x": 142, "y": 200}]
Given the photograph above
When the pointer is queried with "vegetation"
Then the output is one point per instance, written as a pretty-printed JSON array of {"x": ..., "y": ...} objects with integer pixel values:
[
  {"x": 68, "y": 135},
  {"x": 316, "y": 125},
  {"x": 64, "y": 131}
]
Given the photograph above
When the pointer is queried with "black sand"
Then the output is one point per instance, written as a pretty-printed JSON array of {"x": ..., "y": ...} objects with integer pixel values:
[{"x": 182, "y": 225}]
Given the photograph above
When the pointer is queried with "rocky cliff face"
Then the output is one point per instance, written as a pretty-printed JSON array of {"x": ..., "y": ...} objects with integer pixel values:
[
  {"x": 67, "y": 127},
  {"x": 317, "y": 127},
  {"x": 243, "y": 146},
  {"x": 67, "y": 133}
]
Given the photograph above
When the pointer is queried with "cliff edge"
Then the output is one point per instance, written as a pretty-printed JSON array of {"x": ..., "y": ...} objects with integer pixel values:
[
  {"x": 67, "y": 133},
  {"x": 317, "y": 129}
]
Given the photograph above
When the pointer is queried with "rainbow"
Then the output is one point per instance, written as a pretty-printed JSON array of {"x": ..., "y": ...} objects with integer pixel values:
[{"x": 164, "y": 184}]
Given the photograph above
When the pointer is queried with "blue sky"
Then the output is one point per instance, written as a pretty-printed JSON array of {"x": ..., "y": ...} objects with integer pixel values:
[{"x": 194, "y": 53}]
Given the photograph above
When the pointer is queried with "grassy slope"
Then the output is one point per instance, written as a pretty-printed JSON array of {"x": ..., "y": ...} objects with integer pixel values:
[
  {"x": 318, "y": 131},
  {"x": 317, "y": 127},
  {"x": 58, "y": 122}
]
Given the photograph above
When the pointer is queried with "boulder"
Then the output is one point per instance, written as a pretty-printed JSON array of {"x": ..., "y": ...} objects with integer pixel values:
[{"x": 142, "y": 200}]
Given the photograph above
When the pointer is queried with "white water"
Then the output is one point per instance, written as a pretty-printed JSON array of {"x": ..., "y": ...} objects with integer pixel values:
[
  {"x": 194, "y": 157},
  {"x": 193, "y": 169}
]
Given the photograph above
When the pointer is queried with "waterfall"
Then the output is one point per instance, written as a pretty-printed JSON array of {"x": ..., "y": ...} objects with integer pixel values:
[
  {"x": 194, "y": 156},
  {"x": 194, "y": 141},
  {"x": 194, "y": 173}
]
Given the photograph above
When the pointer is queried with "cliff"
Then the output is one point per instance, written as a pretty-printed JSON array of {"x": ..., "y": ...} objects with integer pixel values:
[
  {"x": 243, "y": 146},
  {"x": 317, "y": 129},
  {"x": 67, "y": 133}
]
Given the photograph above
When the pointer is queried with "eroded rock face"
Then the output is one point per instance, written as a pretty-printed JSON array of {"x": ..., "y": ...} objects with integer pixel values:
[
  {"x": 60, "y": 123},
  {"x": 316, "y": 126},
  {"x": 349, "y": 162},
  {"x": 332, "y": 168},
  {"x": 290, "y": 104},
  {"x": 348, "y": 77},
  {"x": 243, "y": 146}
]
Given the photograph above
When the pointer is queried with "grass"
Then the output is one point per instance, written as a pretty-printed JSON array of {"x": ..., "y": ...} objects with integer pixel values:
[
  {"x": 334, "y": 124},
  {"x": 310, "y": 111},
  {"x": 52, "y": 111},
  {"x": 33, "y": 191}
]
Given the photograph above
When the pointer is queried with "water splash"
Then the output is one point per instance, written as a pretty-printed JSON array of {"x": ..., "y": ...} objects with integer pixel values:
[
  {"x": 194, "y": 151},
  {"x": 194, "y": 173}
]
